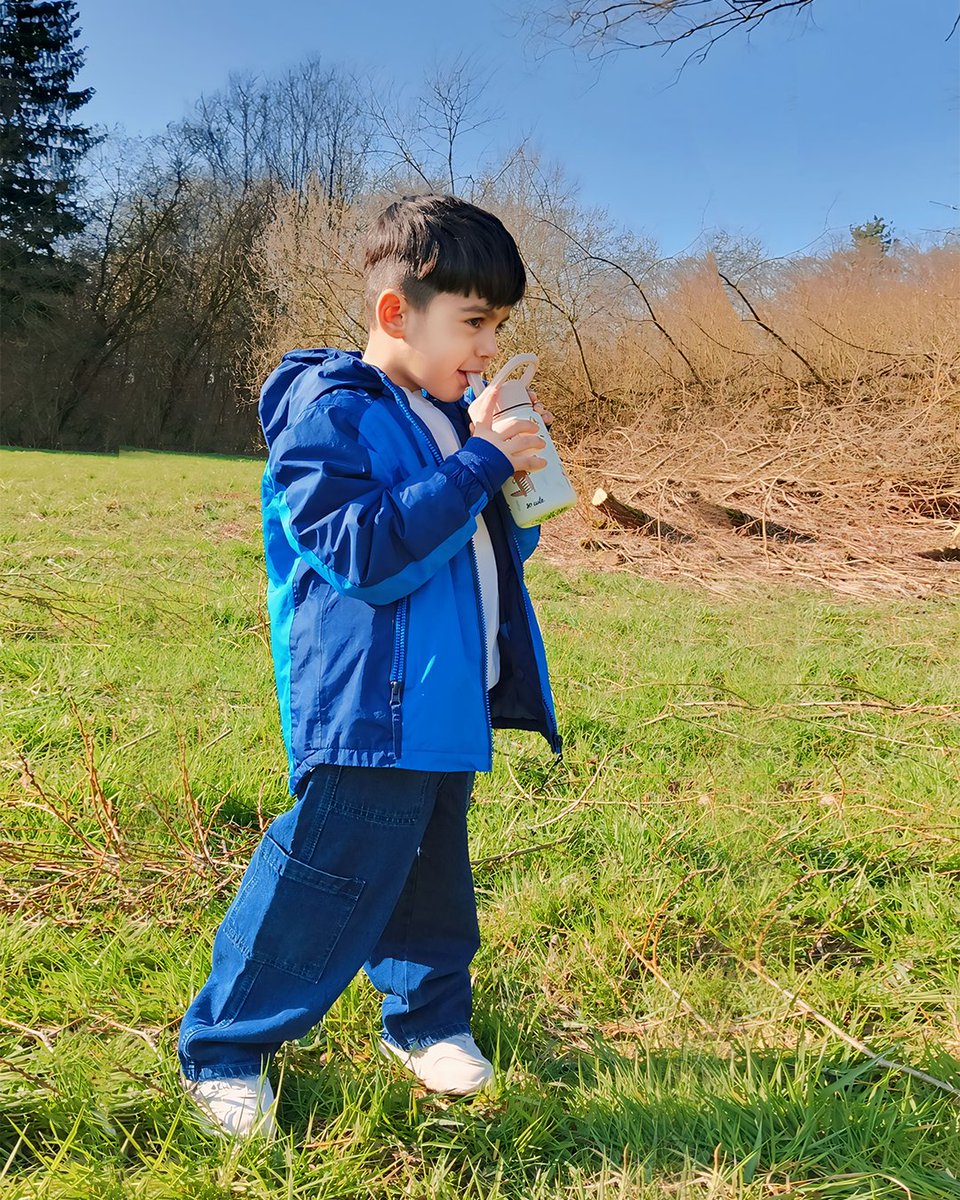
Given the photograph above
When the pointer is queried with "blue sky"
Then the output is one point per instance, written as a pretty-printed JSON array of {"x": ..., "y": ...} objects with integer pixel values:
[{"x": 811, "y": 125}]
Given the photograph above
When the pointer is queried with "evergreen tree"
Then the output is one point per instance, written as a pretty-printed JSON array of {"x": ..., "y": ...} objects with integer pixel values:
[
  {"x": 875, "y": 235},
  {"x": 39, "y": 147}
]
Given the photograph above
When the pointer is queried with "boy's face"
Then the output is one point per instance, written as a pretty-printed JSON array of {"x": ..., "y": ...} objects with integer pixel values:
[{"x": 452, "y": 336}]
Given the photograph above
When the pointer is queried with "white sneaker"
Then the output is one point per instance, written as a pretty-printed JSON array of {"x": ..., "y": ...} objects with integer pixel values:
[
  {"x": 241, "y": 1108},
  {"x": 455, "y": 1065}
]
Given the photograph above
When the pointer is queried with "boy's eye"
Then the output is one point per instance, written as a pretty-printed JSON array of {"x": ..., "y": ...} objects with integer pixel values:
[{"x": 476, "y": 322}]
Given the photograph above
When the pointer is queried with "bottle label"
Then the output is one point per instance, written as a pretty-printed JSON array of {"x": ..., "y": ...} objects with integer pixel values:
[{"x": 522, "y": 485}]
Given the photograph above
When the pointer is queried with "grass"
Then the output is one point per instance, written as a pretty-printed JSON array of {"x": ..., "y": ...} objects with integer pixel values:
[{"x": 736, "y": 889}]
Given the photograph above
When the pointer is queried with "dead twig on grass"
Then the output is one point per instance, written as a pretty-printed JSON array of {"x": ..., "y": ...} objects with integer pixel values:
[
  {"x": 102, "y": 803},
  {"x": 516, "y": 782},
  {"x": 655, "y": 971},
  {"x": 139, "y": 1033},
  {"x": 579, "y": 800},
  {"x": 40, "y": 1036},
  {"x": 30, "y": 782},
  {"x": 654, "y": 926},
  {"x": 498, "y": 858},
  {"x": 769, "y": 909},
  {"x": 135, "y": 741},
  {"x": 940, "y": 711},
  {"x": 889, "y": 1064},
  {"x": 199, "y": 828},
  {"x": 143, "y": 1080},
  {"x": 37, "y": 1080}
]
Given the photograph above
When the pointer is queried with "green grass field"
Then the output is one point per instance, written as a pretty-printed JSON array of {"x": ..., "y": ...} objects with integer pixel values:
[{"x": 714, "y": 936}]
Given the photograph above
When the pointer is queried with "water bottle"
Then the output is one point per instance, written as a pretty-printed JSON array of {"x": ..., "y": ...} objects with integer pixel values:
[{"x": 536, "y": 495}]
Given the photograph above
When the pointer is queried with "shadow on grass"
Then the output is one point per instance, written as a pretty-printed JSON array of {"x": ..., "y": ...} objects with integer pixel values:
[
  {"x": 760, "y": 1113},
  {"x": 558, "y": 1111}
]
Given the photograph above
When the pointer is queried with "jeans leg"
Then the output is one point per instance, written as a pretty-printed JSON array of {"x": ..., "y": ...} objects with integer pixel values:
[
  {"x": 314, "y": 900},
  {"x": 423, "y": 956}
]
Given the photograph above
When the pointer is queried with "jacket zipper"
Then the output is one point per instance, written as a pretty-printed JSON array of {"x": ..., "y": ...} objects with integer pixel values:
[
  {"x": 435, "y": 450},
  {"x": 400, "y": 644},
  {"x": 397, "y": 672}
]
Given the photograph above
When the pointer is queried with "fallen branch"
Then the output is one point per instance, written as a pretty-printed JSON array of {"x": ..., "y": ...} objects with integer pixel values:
[
  {"x": 497, "y": 858},
  {"x": 648, "y": 965},
  {"x": 34, "y": 1033},
  {"x": 861, "y": 1047},
  {"x": 579, "y": 800}
]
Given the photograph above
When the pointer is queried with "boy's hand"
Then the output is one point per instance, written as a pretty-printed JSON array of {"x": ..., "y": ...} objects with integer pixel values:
[
  {"x": 547, "y": 417},
  {"x": 519, "y": 440}
]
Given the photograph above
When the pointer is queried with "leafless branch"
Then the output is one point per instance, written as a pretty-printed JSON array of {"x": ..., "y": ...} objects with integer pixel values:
[
  {"x": 604, "y": 28},
  {"x": 609, "y": 262},
  {"x": 773, "y": 333}
]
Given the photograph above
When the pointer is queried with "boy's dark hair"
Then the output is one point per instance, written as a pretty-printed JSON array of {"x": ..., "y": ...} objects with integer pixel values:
[{"x": 424, "y": 245}]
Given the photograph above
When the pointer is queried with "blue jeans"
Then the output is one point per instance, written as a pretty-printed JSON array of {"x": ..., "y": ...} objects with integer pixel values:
[{"x": 368, "y": 869}]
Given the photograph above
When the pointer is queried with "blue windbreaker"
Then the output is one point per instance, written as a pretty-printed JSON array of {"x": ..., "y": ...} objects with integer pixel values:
[{"x": 372, "y": 581}]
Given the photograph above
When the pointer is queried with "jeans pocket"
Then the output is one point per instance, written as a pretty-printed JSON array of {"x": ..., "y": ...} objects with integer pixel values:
[{"x": 288, "y": 914}]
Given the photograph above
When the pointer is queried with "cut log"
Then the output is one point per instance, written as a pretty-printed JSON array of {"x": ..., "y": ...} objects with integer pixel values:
[
  {"x": 625, "y": 516},
  {"x": 760, "y": 527},
  {"x": 621, "y": 514}
]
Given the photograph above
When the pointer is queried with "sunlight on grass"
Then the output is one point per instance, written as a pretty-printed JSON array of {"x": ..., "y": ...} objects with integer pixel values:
[{"x": 750, "y": 844}]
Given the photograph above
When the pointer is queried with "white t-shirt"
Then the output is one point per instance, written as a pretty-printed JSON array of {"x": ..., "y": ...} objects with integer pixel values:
[{"x": 448, "y": 443}]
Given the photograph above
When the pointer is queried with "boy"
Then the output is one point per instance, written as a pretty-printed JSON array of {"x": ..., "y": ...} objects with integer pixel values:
[{"x": 402, "y": 634}]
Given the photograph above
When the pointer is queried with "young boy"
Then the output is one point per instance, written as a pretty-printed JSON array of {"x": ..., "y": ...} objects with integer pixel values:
[{"x": 402, "y": 635}]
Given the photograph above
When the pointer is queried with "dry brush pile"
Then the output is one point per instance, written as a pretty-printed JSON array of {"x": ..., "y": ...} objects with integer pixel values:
[{"x": 745, "y": 418}]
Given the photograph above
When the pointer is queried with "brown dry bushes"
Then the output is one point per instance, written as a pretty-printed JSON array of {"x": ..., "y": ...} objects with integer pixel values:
[
  {"x": 621, "y": 334},
  {"x": 829, "y": 384}
]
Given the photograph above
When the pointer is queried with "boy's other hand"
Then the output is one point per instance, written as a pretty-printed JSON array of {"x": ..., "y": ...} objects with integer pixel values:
[
  {"x": 547, "y": 417},
  {"x": 519, "y": 440}
]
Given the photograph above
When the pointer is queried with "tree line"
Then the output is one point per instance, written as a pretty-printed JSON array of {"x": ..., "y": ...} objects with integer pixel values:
[{"x": 183, "y": 265}]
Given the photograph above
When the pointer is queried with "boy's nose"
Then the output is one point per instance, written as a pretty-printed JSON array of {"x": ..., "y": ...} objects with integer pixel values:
[{"x": 487, "y": 346}]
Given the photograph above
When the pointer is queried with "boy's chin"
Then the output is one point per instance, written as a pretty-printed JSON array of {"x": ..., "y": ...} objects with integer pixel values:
[
  {"x": 448, "y": 395},
  {"x": 458, "y": 387},
  {"x": 449, "y": 389}
]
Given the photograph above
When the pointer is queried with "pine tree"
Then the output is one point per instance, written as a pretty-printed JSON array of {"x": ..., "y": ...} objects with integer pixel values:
[
  {"x": 39, "y": 147},
  {"x": 875, "y": 235}
]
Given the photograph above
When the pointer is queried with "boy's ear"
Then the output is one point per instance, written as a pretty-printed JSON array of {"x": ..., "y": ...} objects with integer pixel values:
[{"x": 391, "y": 312}]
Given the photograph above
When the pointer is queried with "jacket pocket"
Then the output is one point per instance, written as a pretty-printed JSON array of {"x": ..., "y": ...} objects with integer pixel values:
[
  {"x": 398, "y": 667},
  {"x": 288, "y": 914}
]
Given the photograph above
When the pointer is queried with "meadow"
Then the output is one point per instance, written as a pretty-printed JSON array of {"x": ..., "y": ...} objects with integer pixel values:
[{"x": 721, "y": 937}]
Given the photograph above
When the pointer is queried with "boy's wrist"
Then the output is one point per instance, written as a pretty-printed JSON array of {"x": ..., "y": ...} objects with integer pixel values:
[{"x": 487, "y": 462}]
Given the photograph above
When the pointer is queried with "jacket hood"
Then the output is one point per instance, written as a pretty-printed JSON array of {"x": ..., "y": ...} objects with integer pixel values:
[{"x": 305, "y": 375}]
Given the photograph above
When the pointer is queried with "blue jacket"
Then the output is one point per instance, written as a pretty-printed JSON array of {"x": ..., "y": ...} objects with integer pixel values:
[{"x": 372, "y": 582}]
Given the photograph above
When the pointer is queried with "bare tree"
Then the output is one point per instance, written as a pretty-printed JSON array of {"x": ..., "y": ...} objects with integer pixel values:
[
  {"x": 423, "y": 138},
  {"x": 307, "y": 123},
  {"x": 126, "y": 254},
  {"x": 602, "y": 27},
  {"x": 227, "y": 131},
  {"x": 146, "y": 350}
]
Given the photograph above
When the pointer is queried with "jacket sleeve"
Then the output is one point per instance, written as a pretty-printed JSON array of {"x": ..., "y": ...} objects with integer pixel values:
[{"x": 370, "y": 540}]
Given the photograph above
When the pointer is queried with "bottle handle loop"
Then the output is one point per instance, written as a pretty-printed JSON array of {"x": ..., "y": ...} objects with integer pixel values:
[{"x": 518, "y": 360}]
